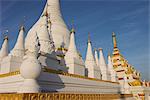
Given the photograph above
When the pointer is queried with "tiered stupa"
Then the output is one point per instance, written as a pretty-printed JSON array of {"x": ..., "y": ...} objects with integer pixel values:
[{"x": 126, "y": 74}]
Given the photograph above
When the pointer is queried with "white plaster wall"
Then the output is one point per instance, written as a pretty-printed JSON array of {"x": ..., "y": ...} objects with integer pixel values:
[
  {"x": 141, "y": 89},
  {"x": 75, "y": 66},
  {"x": 10, "y": 84},
  {"x": 51, "y": 62},
  {"x": 54, "y": 82},
  {"x": 94, "y": 72},
  {"x": 61, "y": 83},
  {"x": 10, "y": 64}
]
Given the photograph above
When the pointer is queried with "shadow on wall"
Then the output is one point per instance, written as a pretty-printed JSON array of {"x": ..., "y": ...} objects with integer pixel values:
[{"x": 50, "y": 82}]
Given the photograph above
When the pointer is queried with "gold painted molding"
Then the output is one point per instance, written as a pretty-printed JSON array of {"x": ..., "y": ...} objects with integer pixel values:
[
  {"x": 74, "y": 75},
  {"x": 9, "y": 74},
  {"x": 62, "y": 96},
  {"x": 58, "y": 72}
]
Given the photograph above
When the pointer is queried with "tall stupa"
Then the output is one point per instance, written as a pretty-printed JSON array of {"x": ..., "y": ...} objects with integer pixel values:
[
  {"x": 53, "y": 35},
  {"x": 128, "y": 76},
  {"x": 57, "y": 29}
]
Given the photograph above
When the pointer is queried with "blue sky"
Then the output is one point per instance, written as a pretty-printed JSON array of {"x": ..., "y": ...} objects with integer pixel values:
[{"x": 127, "y": 18}]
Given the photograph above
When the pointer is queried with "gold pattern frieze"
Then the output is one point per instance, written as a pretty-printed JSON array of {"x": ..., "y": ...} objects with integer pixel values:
[{"x": 62, "y": 96}]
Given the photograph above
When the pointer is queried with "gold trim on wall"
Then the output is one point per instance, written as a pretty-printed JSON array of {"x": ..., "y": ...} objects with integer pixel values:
[
  {"x": 62, "y": 96},
  {"x": 9, "y": 74},
  {"x": 58, "y": 72},
  {"x": 74, "y": 75}
]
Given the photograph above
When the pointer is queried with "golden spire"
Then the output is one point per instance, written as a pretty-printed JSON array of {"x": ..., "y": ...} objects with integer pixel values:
[{"x": 114, "y": 40}]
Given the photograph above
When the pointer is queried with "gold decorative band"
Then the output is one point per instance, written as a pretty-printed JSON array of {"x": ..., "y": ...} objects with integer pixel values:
[
  {"x": 9, "y": 74},
  {"x": 57, "y": 72},
  {"x": 62, "y": 96},
  {"x": 74, "y": 75}
]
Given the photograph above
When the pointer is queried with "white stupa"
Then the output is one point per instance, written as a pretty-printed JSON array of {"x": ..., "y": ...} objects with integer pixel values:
[
  {"x": 4, "y": 49},
  {"x": 96, "y": 57},
  {"x": 13, "y": 61},
  {"x": 18, "y": 49},
  {"x": 102, "y": 65},
  {"x": 3, "y": 53},
  {"x": 90, "y": 63},
  {"x": 59, "y": 30},
  {"x": 47, "y": 28},
  {"x": 73, "y": 61}
]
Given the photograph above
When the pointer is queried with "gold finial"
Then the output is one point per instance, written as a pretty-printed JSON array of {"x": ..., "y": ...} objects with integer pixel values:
[
  {"x": 72, "y": 27},
  {"x": 108, "y": 54},
  {"x": 100, "y": 49},
  {"x": 114, "y": 40},
  {"x": 113, "y": 34},
  {"x": 95, "y": 49},
  {"x": 21, "y": 27},
  {"x": 72, "y": 23},
  {"x": 89, "y": 40},
  {"x": 72, "y": 30},
  {"x": 5, "y": 34}
]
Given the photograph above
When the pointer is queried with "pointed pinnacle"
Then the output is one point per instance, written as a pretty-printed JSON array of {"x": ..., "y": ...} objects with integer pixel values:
[
  {"x": 72, "y": 30},
  {"x": 113, "y": 34},
  {"x": 89, "y": 40},
  {"x": 95, "y": 49},
  {"x": 101, "y": 49}
]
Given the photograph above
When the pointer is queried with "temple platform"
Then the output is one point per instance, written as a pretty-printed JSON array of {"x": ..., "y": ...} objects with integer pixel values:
[
  {"x": 58, "y": 81},
  {"x": 57, "y": 85}
]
